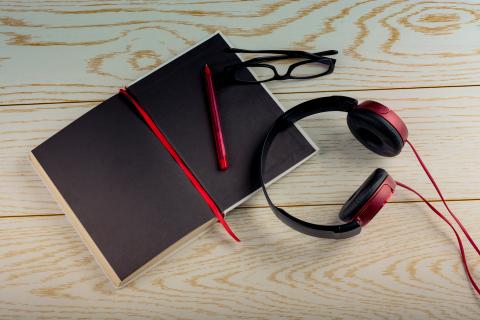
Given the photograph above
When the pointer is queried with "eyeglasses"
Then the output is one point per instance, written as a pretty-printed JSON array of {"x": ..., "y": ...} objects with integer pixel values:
[{"x": 312, "y": 65}]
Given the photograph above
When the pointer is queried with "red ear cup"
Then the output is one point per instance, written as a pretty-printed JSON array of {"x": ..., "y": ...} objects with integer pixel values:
[
  {"x": 378, "y": 128},
  {"x": 369, "y": 198},
  {"x": 389, "y": 115}
]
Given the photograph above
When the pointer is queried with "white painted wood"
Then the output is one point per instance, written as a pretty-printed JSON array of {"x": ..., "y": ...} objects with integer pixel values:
[
  {"x": 64, "y": 51},
  {"x": 404, "y": 265}
]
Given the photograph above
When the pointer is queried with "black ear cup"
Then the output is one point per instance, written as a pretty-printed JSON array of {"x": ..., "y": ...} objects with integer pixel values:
[
  {"x": 362, "y": 195},
  {"x": 375, "y": 132}
]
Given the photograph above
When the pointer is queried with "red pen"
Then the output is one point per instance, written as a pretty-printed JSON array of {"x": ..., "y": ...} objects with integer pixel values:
[{"x": 215, "y": 119}]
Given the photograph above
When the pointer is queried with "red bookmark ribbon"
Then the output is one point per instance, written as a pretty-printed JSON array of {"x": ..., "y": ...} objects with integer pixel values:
[{"x": 189, "y": 174}]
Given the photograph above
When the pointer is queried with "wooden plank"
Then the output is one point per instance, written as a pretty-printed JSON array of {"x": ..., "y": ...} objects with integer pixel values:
[
  {"x": 64, "y": 51},
  {"x": 444, "y": 124},
  {"x": 404, "y": 265}
]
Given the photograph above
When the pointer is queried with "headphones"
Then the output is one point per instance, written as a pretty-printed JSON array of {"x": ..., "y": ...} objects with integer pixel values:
[
  {"x": 382, "y": 131},
  {"x": 379, "y": 129}
]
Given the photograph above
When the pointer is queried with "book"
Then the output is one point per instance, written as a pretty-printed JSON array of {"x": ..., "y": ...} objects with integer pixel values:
[{"x": 124, "y": 194}]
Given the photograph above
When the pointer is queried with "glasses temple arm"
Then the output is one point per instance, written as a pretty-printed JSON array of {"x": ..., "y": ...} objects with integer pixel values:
[
  {"x": 287, "y": 53},
  {"x": 326, "y": 53}
]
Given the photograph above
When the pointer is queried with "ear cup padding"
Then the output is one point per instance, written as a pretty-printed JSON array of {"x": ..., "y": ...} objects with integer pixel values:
[
  {"x": 375, "y": 132},
  {"x": 368, "y": 188}
]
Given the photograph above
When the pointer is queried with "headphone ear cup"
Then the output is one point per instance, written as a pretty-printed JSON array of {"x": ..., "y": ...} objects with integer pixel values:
[
  {"x": 378, "y": 128},
  {"x": 369, "y": 198}
]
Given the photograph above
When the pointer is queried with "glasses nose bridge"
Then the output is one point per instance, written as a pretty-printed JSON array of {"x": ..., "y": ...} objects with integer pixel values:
[
  {"x": 278, "y": 76},
  {"x": 284, "y": 76}
]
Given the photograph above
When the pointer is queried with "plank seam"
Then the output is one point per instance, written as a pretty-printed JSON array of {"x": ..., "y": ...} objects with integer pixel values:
[
  {"x": 264, "y": 207},
  {"x": 277, "y": 93}
]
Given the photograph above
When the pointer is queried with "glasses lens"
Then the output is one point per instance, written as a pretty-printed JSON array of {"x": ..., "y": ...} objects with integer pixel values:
[
  {"x": 310, "y": 69},
  {"x": 261, "y": 73}
]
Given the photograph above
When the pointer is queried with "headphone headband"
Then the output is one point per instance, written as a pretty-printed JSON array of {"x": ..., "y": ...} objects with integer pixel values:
[{"x": 303, "y": 110}]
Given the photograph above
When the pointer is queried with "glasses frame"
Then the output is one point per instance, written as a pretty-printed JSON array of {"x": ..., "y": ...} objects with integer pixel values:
[{"x": 317, "y": 57}]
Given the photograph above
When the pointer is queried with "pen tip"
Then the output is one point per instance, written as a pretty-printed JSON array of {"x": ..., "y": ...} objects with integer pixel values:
[{"x": 207, "y": 69}]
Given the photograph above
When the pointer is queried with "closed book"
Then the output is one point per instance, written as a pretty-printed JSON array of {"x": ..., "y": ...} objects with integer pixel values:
[{"x": 125, "y": 195}]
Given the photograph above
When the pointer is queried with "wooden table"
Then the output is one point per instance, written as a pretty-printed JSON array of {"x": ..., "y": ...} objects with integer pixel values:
[{"x": 422, "y": 58}]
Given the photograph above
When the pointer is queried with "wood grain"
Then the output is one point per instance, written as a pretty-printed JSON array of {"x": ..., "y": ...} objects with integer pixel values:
[
  {"x": 404, "y": 265},
  {"x": 58, "y": 59},
  {"x": 444, "y": 124},
  {"x": 64, "y": 51}
]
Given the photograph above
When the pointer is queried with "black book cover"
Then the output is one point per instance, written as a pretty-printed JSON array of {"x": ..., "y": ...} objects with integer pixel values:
[{"x": 123, "y": 192}]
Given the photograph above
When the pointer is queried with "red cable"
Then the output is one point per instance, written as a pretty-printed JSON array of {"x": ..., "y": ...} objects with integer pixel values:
[
  {"x": 465, "y": 232},
  {"x": 156, "y": 131},
  {"x": 460, "y": 244}
]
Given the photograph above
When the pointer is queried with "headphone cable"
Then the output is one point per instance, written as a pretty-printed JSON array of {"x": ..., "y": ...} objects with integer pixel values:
[
  {"x": 442, "y": 198},
  {"x": 460, "y": 243}
]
